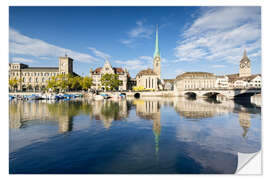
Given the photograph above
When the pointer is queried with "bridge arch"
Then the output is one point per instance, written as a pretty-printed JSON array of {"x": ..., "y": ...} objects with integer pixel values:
[
  {"x": 245, "y": 94},
  {"x": 190, "y": 94},
  {"x": 137, "y": 95},
  {"x": 211, "y": 94}
]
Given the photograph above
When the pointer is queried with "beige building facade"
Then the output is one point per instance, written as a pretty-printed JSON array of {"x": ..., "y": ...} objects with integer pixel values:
[
  {"x": 147, "y": 79},
  {"x": 108, "y": 69},
  {"x": 195, "y": 80},
  {"x": 36, "y": 78}
]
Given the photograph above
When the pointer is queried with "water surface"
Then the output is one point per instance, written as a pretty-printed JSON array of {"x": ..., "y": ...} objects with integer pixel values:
[{"x": 149, "y": 135}]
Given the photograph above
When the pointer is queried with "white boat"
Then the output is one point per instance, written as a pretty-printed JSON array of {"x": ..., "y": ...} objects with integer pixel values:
[{"x": 98, "y": 97}]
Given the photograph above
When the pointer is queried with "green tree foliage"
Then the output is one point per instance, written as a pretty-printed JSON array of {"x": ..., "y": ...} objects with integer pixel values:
[
  {"x": 110, "y": 81},
  {"x": 13, "y": 83},
  {"x": 86, "y": 83},
  {"x": 69, "y": 82}
]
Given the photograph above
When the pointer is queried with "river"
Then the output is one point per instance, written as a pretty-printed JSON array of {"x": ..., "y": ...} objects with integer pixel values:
[{"x": 134, "y": 136}]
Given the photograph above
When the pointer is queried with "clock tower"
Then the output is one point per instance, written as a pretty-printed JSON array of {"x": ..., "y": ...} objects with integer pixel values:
[
  {"x": 65, "y": 65},
  {"x": 245, "y": 66},
  {"x": 157, "y": 59}
]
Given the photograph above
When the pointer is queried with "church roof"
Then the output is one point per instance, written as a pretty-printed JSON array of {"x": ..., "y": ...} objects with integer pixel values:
[{"x": 146, "y": 72}]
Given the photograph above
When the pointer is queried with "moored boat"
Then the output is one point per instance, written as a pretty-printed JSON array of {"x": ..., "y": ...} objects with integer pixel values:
[{"x": 98, "y": 97}]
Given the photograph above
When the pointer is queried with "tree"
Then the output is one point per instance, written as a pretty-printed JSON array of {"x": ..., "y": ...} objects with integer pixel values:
[
  {"x": 86, "y": 83},
  {"x": 52, "y": 84},
  {"x": 13, "y": 83},
  {"x": 110, "y": 81},
  {"x": 75, "y": 83}
]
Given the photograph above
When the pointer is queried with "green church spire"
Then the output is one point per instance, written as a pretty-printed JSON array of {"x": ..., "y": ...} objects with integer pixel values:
[{"x": 157, "y": 54}]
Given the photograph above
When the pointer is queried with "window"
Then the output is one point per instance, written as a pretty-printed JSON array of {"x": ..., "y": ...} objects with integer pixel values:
[
  {"x": 30, "y": 79},
  {"x": 36, "y": 79}
]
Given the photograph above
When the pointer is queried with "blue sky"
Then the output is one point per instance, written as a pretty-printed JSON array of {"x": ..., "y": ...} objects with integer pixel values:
[{"x": 210, "y": 39}]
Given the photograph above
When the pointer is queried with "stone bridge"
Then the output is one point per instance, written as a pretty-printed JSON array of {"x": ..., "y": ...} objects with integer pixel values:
[{"x": 227, "y": 93}]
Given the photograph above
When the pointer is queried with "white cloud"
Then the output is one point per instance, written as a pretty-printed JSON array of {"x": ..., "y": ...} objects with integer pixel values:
[
  {"x": 178, "y": 72},
  {"x": 141, "y": 30},
  {"x": 221, "y": 34},
  {"x": 20, "y": 44},
  {"x": 218, "y": 66},
  {"x": 126, "y": 42},
  {"x": 137, "y": 64},
  {"x": 134, "y": 64},
  {"x": 99, "y": 53},
  {"x": 148, "y": 58},
  {"x": 22, "y": 60}
]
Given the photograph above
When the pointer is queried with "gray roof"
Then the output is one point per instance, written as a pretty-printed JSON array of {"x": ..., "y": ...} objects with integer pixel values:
[{"x": 33, "y": 69}]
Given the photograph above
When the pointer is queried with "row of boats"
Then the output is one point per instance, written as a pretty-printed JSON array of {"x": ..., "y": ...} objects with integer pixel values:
[
  {"x": 53, "y": 96},
  {"x": 44, "y": 96},
  {"x": 99, "y": 97}
]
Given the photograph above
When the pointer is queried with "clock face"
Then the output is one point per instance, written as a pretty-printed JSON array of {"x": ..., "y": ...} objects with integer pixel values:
[
  {"x": 245, "y": 64},
  {"x": 63, "y": 64}
]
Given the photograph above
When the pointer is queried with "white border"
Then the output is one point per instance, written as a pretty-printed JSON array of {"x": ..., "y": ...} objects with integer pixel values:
[{"x": 4, "y": 74}]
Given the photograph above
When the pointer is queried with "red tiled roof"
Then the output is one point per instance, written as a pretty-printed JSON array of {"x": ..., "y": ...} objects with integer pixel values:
[
  {"x": 116, "y": 70},
  {"x": 97, "y": 71}
]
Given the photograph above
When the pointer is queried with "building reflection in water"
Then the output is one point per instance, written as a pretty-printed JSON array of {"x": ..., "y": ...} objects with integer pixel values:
[
  {"x": 150, "y": 110},
  {"x": 201, "y": 108},
  {"x": 63, "y": 112},
  {"x": 22, "y": 112},
  {"x": 244, "y": 121},
  {"x": 109, "y": 111}
]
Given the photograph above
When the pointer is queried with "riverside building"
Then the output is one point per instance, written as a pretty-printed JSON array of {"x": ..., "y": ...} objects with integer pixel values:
[
  {"x": 108, "y": 69},
  {"x": 36, "y": 78}
]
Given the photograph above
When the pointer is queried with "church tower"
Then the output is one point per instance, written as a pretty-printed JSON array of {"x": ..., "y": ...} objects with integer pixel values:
[
  {"x": 245, "y": 66},
  {"x": 157, "y": 59}
]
